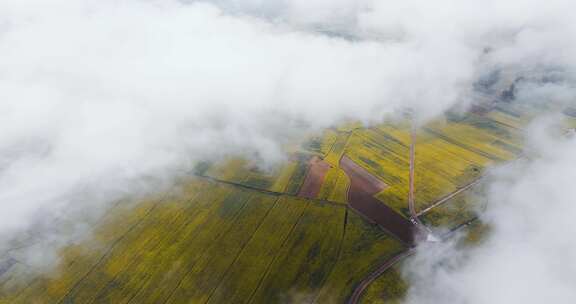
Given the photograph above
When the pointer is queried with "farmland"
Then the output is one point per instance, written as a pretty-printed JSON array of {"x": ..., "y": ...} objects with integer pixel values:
[
  {"x": 308, "y": 230},
  {"x": 389, "y": 288},
  {"x": 215, "y": 243}
]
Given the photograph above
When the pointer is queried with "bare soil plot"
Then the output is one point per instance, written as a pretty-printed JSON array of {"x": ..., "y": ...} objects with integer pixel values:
[
  {"x": 363, "y": 186},
  {"x": 317, "y": 169}
]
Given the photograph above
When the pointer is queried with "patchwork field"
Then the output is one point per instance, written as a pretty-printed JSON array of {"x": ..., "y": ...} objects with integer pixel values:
[
  {"x": 238, "y": 233},
  {"x": 450, "y": 153}
]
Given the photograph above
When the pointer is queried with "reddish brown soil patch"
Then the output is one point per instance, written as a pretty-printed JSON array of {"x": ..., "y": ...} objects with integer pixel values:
[
  {"x": 317, "y": 170},
  {"x": 363, "y": 186},
  {"x": 361, "y": 178}
]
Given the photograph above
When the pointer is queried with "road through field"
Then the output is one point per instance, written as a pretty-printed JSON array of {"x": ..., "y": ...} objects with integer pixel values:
[
  {"x": 423, "y": 229},
  {"x": 416, "y": 226},
  {"x": 448, "y": 197},
  {"x": 377, "y": 273}
]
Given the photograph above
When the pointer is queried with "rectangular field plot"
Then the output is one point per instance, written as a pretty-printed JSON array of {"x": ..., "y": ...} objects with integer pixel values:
[
  {"x": 337, "y": 149},
  {"x": 335, "y": 186},
  {"x": 364, "y": 247},
  {"x": 384, "y": 152}
]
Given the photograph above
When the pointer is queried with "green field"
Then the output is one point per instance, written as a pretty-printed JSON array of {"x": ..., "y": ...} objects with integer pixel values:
[
  {"x": 234, "y": 232},
  {"x": 450, "y": 153},
  {"x": 389, "y": 288},
  {"x": 216, "y": 243}
]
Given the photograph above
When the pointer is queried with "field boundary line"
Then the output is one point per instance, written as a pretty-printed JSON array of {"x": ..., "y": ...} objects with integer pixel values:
[
  {"x": 269, "y": 266},
  {"x": 337, "y": 260},
  {"x": 242, "y": 249},
  {"x": 110, "y": 249},
  {"x": 449, "y": 196},
  {"x": 215, "y": 241},
  {"x": 269, "y": 192},
  {"x": 131, "y": 264}
]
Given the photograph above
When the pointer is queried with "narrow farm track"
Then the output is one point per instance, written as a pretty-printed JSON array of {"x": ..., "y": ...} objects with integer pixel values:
[
  {"x": 414, "y": 218},
  {"x": 264, "y": 191},
  {"x": 411, "y": 196},
  {"x": 411, "y": 206},
  {"x": 418, "y": 225},
  {"x": 448, "y": 197}
]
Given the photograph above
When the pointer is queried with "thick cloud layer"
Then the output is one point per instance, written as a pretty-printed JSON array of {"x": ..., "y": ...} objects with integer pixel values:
[{"x": 100, "y": 99}]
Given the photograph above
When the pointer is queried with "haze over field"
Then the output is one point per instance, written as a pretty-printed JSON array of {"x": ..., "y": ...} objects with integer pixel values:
[
  {"x": 106, "y": 99},
  {"x": 527, "y": 256}
]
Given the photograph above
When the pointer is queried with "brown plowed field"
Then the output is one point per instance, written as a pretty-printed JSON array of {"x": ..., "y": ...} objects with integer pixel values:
[
  {"x": 363, "y": 186},
  {"x": 317, "y": 170}
]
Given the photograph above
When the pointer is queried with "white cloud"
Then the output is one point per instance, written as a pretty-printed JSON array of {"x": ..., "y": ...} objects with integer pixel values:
[{"x": 98, "y": 96}]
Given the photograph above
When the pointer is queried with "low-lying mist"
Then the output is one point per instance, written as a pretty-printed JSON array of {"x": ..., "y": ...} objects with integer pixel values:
[{"x": 101, "y": 100}]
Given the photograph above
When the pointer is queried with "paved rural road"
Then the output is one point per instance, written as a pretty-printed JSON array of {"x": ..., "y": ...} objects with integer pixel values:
[{"x": 377, "y": 273}]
